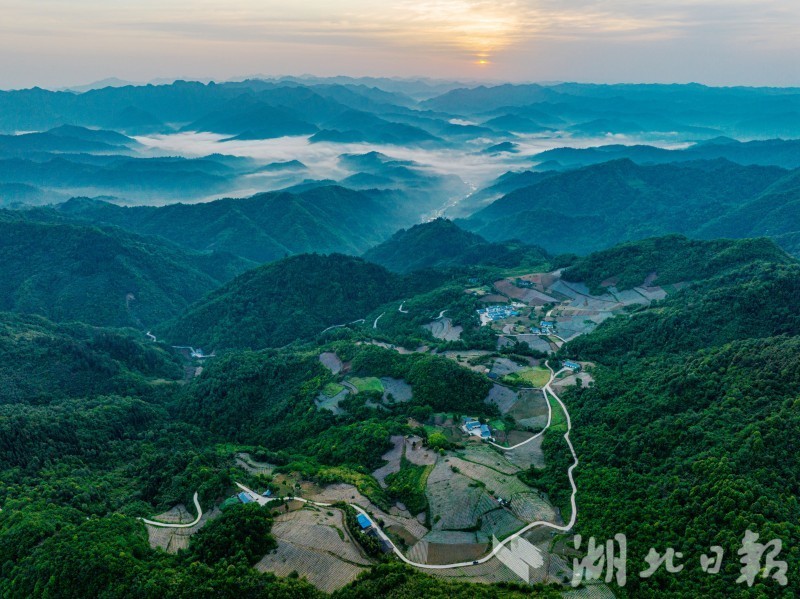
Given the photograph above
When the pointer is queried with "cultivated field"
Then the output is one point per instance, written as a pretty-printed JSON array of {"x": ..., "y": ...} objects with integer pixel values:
[
  {"x": 397, "y": 388},
  {"x": 392, "y": 458},
  {"x": 500, "y": 483},
  {"x": 247, "y": 463},
  {"x": 447, "y": 553},
  {"x": 172, "y": 540},
  {"x": 369, "y": 383},
  {"x": 527, "y": 455},
  {"x": 442, "y": 328},
  {"x": 331, "y": 361},
  {"x": 456, "y": 502},
  {"x": 503, "y": 397},
  {"x": 324, "y": 402},
  {"x": 483, "y": 454},
  {"x": 325, "y": 571},
  {"x": 530, "y": 409},
  {"x": 529, "y": 377}
]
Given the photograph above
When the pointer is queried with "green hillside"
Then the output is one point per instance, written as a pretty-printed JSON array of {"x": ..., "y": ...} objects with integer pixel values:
[
  {"x": 697, "y": 396},
  {"x": 43, "y": 361},
  {"x": 595, "y": 207},
  {"x": 670, "y": 259},
  {"x": 101, "y": 277},
  {"x": 440, "y": 243},
  {"x": 262, "y": 228},
  {"x": 292, "y": 299}
]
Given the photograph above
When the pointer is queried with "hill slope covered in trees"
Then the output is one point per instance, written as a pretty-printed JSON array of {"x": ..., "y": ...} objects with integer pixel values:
[
  {"x": 441, "y": 243},
  {"x": 101, "y": 277}
]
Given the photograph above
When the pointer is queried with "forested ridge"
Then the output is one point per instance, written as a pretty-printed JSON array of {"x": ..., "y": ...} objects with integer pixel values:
[{"x": 685, "y": 436}]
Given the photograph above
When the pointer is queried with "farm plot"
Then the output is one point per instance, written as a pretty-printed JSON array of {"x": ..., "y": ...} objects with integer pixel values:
[
  {"x": 349, "y": 494},
  {"x": 447, "y": 553},
  {"x": 572, "y": 379},
  {"x": 536, "y": 342},
  {"x": 442, "y": 328},
  {"x": 530, "y": 507},
  {"x": 397, "y": 388},
  {"x": 486, "y": 456},
  {"x": 331, "y": 361},
  {"x": 369, "y": 383},
  {"x": 530, "y": 409},
  {"x": 629, "y": 297},
  {"x": 499, "y": 523},
  {"x": 451, "y": 537},
  {"x": 421, "y": 456},
  {"x": 326, "y": 572},
  {"x": 489, "y": 572},
  {"x": 392, "y": 458},
  {"x": 503, "y": 397},
  {"x": 172, "y": 540},
  {"x": 322, "y": 531},
  {"x": 176, "y": 515},
  {"x": 248, "y": 464},
  {"x": 498, "y": 483},
  {"x": 655, "y": 293},
  {"x": 323, "y": 402},
  {"x": 529, "y": 377},
  {"x": 504, "y": 366},
  {"x": 456, "y": 502},
  {"x": 528, "y": 455},
  {"x": 575, "y": 326}
]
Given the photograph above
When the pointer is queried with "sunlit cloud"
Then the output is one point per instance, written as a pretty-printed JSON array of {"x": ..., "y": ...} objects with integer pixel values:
[{"x": 429, "y": 37}]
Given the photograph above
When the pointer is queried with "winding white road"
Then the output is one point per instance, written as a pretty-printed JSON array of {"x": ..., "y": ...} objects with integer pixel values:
[
  {"x": 574, "y": 515},
  {"x": 169, "y": 525},
  {"x": 375, "y": 324}
]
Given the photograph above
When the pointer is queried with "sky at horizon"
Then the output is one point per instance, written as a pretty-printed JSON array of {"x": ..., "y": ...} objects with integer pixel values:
[{"x": 53, "y": 43}]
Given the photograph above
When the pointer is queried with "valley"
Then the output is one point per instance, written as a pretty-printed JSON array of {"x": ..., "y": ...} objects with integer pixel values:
[{"x": 309, "y": 337}]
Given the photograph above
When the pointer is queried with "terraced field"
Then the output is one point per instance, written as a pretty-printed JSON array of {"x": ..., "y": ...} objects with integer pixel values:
[
  {"x": 455, "y": 501},
  {"x": 172, "y": 540},
  {"x": 499, "y": 523},
  {"x": 247, "y": 463},
  {"x": 331, "y": 361},
  {"x": 323, "y": 570},
  {"x": 527, "y": 455},
  {"x": 500, "y": 483},
  {"x": 531, "y": 409},
  {"x": 485, "y": 455}
]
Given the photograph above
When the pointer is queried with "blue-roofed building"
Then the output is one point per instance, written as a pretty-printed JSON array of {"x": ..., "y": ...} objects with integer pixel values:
[
  {"x": 572, "y": 365},
  {"x": 363, "y": 521},
  {"x": 486, "y": 433},
  {"x": 547, "y": 324},
  {"x": 245, "y": 497},
  {"x": 470, "y": 425}
]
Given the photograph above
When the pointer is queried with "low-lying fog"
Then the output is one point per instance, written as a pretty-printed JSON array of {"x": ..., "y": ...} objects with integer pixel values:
[{"x": 475, "y": 168}]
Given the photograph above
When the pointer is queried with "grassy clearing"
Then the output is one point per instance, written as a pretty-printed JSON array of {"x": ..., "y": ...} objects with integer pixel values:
[
  {"x": 369, "y": 383},
  {"x": 332, "y": 389},
  {"x": 530, "y": 377},
  {"x": 559, "y": 420},
  {"x": 408, "y": 486}
]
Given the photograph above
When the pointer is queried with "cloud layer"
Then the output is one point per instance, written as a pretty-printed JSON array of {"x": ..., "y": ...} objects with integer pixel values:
[{"x": 51, "y": 42}]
